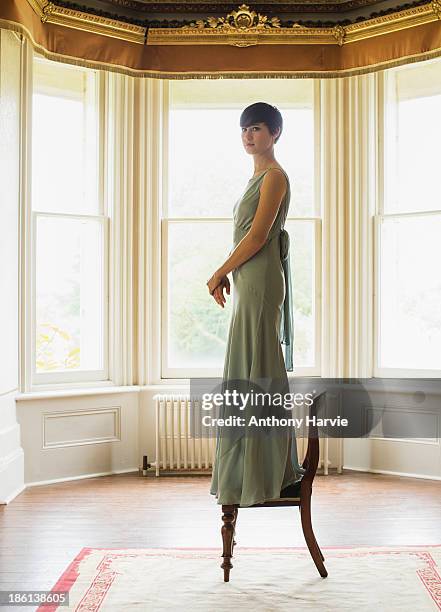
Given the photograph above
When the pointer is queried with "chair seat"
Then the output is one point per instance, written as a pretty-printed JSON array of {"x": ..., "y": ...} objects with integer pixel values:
[
  {"x": 281, "y": 501},
  {"x": 290, "y": 496}
]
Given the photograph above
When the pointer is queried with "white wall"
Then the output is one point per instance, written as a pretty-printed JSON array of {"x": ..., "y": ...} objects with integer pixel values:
[
  {"x": 79, "y": 435},
  {"x": 413, "y": 458},
  {"x": 11, "y": 453}
]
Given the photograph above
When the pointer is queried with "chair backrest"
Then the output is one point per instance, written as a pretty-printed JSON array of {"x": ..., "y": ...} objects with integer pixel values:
[{"x": 311, "y": 459}]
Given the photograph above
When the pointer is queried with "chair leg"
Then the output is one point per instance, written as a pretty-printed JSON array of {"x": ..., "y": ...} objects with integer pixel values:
[
  {"x": 236, "y": 510},
  {"x": 229, "y": 515},
  {"x": 318, "y": 547},
  {"x": 316, "y": 553}
]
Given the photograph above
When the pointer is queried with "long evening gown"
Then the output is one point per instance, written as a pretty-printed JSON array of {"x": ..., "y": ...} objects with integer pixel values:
[{"x": 251, "y": 469}]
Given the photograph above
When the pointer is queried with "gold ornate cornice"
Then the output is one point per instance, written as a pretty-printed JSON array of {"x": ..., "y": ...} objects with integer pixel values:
[
  {"x": 51, "y": 13},
  {"x": 436, "y": 7},
  {"x": 242, "y": 20},
  {"x": 214, "y": 32},
  {"x": 240, "y": 28}
]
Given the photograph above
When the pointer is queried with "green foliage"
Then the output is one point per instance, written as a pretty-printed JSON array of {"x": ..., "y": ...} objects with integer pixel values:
[{"x": 46, "y": 352}]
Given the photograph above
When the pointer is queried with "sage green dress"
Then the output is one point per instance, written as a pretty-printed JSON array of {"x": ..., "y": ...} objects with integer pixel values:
[{"x": 250, "y": 469}]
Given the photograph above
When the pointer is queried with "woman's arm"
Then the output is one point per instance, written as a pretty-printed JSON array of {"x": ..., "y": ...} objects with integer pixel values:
[{"x": 271, "y": 193}]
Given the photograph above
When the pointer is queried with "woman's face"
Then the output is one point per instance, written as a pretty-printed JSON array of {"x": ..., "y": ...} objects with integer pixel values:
[{"x": 257, "y": 139}]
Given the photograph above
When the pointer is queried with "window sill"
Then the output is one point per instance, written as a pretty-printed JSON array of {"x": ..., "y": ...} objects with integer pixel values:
[{"x": 54, "y": 393}]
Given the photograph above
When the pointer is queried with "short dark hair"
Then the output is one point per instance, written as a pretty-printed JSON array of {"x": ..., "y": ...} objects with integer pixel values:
[{"x": 261, "y": 112}]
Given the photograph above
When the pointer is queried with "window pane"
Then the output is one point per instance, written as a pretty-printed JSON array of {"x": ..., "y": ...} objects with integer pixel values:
[
  {"x": 64, "y": 140},
  {"x": 207, "y": 169},
  {"x": 410, "y": 290},
  {"x": 197, "y": 325},
  {"x": 302, "y": 249},
  {"x": 413, "y": 134},
  {"x": 69, "y": 294}
]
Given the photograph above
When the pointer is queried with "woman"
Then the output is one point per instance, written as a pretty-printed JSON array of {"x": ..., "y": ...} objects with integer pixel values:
[{"x": 251, "y": 469}]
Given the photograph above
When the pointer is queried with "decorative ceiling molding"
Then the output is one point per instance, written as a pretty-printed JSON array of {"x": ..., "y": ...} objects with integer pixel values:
[
  {"x": 140, "y": 10},
  {"x": 51, "y": 13},
  {"x": 240, "y": 28},
  {"x": 281, "y": 6},
  {"x": 244, "y": 28}
]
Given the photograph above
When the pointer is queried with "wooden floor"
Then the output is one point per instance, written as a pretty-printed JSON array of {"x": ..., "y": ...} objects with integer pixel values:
[{"x": 45, "y": 527}]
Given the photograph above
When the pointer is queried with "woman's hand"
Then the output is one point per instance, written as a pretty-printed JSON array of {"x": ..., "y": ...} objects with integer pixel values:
[
  {"x": 216, "y": 286},
  {"x": 213, "y": 282}
]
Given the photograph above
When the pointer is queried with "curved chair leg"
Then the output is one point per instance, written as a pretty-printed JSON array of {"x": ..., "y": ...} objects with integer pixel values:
[
  {"x": 316, "y": 553},
  {"x": 318, "y": 547},
  {"x": 229, "y": 514}
]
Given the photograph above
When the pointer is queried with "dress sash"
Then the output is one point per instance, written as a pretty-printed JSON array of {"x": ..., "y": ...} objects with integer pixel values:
[{"x": 286, "y": 322}]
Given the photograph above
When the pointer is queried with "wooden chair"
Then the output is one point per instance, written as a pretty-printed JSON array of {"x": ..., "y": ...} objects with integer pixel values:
[{"x": 230, "y": 512}]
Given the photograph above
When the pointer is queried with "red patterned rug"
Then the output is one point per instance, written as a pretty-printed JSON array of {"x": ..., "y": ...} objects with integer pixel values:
[{"x": 362, "y": 579}]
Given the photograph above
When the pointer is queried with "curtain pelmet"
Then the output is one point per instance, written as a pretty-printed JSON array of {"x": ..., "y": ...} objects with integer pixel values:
[{"x": 78, "y": 47}]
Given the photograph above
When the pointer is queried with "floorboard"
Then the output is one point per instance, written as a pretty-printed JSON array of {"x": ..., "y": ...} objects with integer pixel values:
[{"x": 45, "y": 527}]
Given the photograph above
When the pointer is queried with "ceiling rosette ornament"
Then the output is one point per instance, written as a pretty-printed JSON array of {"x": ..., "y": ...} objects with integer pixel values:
[{"x": 242, "y": 20}]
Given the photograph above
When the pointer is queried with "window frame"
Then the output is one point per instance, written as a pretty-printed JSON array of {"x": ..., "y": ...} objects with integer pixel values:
[
  {"x": 380, "y": 216},
  {"x": 31, "y": 379}
]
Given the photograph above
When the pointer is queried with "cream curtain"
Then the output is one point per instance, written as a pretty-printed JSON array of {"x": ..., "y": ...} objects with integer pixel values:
[{"x": 349, "y": 118}]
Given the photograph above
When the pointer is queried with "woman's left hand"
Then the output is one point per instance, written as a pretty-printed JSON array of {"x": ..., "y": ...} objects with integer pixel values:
[{"x": 213, "y": 282}]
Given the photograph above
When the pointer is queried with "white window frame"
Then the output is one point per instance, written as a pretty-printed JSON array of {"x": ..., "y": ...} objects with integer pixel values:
[
  {"x": 388, "y": 372},
  {"x": 31, "y": 379},
  {"x": 182, "y": 375}
]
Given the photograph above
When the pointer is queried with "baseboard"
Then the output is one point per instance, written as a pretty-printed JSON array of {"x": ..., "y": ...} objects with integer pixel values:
[
  {"x": 391, "y": 473},
  {"x": 11, "y": 475},
  {"x": 81, "y": 477},
  {"x": 12, "y": 496}
]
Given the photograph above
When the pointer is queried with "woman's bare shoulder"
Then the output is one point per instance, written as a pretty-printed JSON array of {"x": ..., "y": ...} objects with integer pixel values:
[
  {"x": 275, "y": 175},
  {"x": 276, "y": 171},
  {"x": 274, "y": 183}
]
